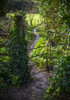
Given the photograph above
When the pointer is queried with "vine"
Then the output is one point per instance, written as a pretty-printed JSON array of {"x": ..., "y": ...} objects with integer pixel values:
[
  {"x": 18, "y": 62},
  {"x": 57, "y": 18}
]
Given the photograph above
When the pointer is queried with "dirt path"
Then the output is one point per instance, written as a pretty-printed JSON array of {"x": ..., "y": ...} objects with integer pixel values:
[
  {"x": 36, "y": 40},
  {"x": 35, "y": 89}
]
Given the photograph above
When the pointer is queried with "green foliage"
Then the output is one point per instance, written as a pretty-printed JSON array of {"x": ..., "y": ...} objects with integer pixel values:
[
  {"x": 4, "y": 70},
  {"x": 64, "y": 11},
  {"x": 4, "y": 28},
  {"x": 18, "y": 63},
  {"x": 16, "y": 80},
  {"x": 4, "y": 81},
  {"x": 61, "y": 76},
  {"x": 40, "y": 60},
  {"x": 60, "y": 82},
  {"x": 2, "y": 84},
  {"x": 34, "y": 19},
  {"x": 4, "y": 76},
  {"x": 57, "y": 49},
  {"x": 39, "y": 45},
  {"x": 4, "y": 73},
  {"x": 57, "y": 19}
]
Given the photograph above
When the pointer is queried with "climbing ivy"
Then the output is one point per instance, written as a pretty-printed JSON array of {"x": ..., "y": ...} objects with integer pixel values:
[
  {"x": 60, "y": 82},
  {"x": 57, "y": 20},
  {"x": 18, "y": 62}
]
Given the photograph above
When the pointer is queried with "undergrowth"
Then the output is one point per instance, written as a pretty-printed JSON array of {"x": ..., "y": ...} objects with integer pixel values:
[{"x": 60, "y": 82}]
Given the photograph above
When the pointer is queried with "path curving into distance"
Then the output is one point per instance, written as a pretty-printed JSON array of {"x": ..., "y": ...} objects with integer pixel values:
[{"x": 36, "y": 40}]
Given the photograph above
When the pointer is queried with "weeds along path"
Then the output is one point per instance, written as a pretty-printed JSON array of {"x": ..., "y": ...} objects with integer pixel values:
[
  {"x": 36, "y": 88},
  {"x": 41, "y": 82}
]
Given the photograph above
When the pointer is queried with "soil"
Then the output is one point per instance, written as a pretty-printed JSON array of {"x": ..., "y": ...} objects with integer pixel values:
[{"x": 36, "y": 88}]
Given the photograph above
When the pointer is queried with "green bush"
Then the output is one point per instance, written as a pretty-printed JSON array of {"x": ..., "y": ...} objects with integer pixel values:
[
  {"x": 2, "y": 84},
  {"x": 60, "y": 82},
  {"x": 5, "y": 73},
  {"x": 4, "y": 81}
]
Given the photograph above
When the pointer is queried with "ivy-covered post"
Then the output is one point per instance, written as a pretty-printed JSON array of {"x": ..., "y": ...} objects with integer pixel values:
[{"x": 18, "y": 50}]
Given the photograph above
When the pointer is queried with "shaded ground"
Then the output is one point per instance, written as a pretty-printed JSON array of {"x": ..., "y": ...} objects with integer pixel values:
[{"x": 35, "y": 89}]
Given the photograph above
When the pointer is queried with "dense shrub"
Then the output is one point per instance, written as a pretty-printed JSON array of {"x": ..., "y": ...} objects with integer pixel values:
[
  {"x": 60, "y": 82},
  {"x": 4, "y": 81},
  {"x": 57, "y": 18}
]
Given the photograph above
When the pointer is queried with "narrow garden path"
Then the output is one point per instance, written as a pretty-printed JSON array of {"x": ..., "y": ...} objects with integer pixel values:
[
  {"x": 37, "y": 38},
  {"x": 35, "y": 89}
]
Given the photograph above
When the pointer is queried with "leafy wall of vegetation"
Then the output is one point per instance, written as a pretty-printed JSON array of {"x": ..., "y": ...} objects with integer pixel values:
[{"x": 56, "y": 14}]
